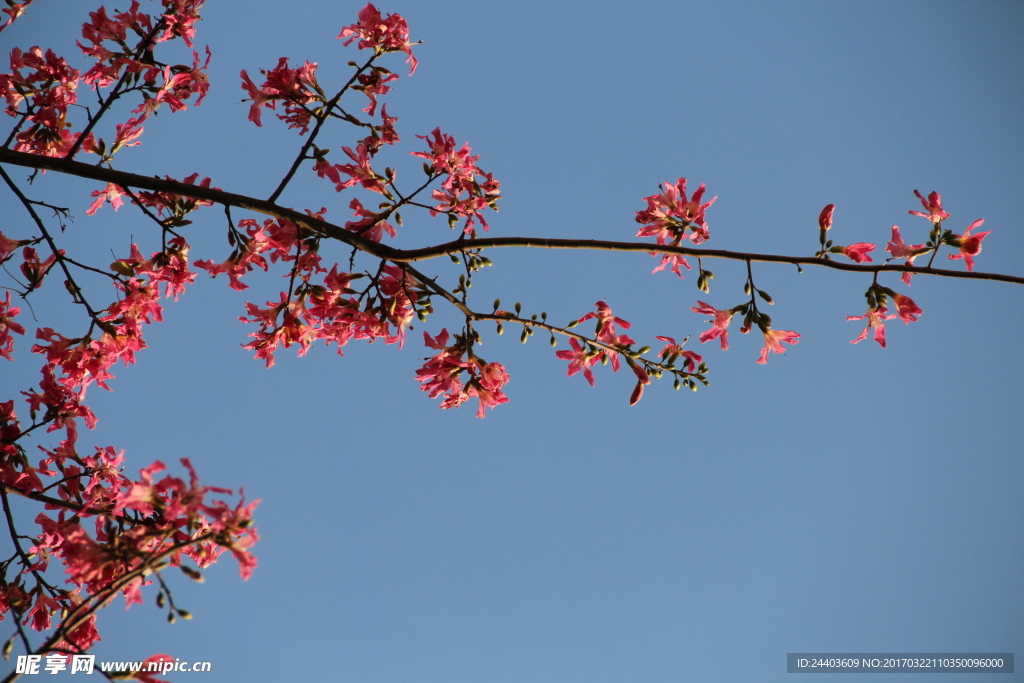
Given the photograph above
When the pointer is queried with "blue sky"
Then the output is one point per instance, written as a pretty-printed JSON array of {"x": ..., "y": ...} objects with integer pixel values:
[{"x": 839, "y": 499}]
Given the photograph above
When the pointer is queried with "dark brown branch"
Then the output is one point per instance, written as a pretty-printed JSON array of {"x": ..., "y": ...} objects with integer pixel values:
[{"x": 409, "y": 255}]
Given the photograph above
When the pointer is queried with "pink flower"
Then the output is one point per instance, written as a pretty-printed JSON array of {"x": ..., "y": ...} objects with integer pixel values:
[
  {"x": 906, "y": 308},
  {"x": 670, "y": 213},
  {"x": 372, "y": 227},
  {"x": 33, "y": 269},
  {"x": 858, "y": 252},
  {"x": 899, "y": 249},
  {"x": 876, "y": 318},
  {"x": 111, "y": 193},
  {"x": 825, "y": 217},
  {"x": 8, "y": 247},
  {"x": 692, "y": 360},
  {"x": 969, "y": 245},
  {"x": 7, "y": 325},
  {"x": 934, "y": 207},
  {"x": 720, "y": 328},
  {"x": 373, "y": 84},
  {"x": 384, "y": 34},
  {"x": 580, "y": 359},
  {"x": 487, "y": 386},
  {"x": 607, "y": 333},
  {"x": 676, "y": 260},
  {"x": 360, "y": 172},
  {"x": 643, "y": 379},
  {"x": 773, "y": 342}
]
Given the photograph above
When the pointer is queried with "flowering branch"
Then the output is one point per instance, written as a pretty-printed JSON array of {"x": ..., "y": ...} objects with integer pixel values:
[{"x": 395, "y": 255}]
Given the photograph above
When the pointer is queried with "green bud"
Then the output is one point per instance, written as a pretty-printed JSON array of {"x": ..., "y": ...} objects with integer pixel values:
[
  {"x": 9, "y": 647},
  {"x": 454, "y": 258},
  {"x": 184, "y": 614},
  {"x": 523, "y": 337},
  {"x": 764, "y": 295},
  {"x": 677, "y": 384},
  {"x": 643, "y": 349},
  {"x": 573, "y": 324},
  {"x": 170, "y": 617},
  {"x": 693, "y": 386},
  {"x": 554, "y": 342},
  {"x": 160, "y": 599},
  {"x": 497, "y": 304},
  {"x": 519, "y": 308},
  {"x": 746, "y": 288},
  {"x": 501, "y": 330}
]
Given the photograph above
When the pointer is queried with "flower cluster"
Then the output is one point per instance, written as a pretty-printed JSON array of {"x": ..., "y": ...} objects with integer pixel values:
[
  {"x": 295, "y": 88},
  {"x": 382, "y": 34},
  {"x": 669, "y": 216},
  {"x": 876, "y": 315},
  {"x": 331, "y": 313},
  {"x": 773, "y": 339},
  {"x": 460, "y": 375},
  {"x": 968, "y": 245},
  {"x": 46, "y": 85},
  {"x": 582, "y": 358},
  {"x": 462, "y": 194}
]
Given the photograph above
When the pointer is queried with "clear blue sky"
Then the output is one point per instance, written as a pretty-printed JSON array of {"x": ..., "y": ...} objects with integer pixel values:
[{"x": 839, "y": 499}]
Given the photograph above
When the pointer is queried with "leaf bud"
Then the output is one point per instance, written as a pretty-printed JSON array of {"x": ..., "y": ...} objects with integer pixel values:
[{"x": 123, "y": 268}]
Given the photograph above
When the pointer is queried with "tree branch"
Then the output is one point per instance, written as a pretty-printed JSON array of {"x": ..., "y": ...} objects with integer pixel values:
[{"x": 389, "y": 253}]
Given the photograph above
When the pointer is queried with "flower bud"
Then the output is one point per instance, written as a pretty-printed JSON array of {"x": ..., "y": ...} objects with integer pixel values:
[{"x": 825, "y": 218}]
